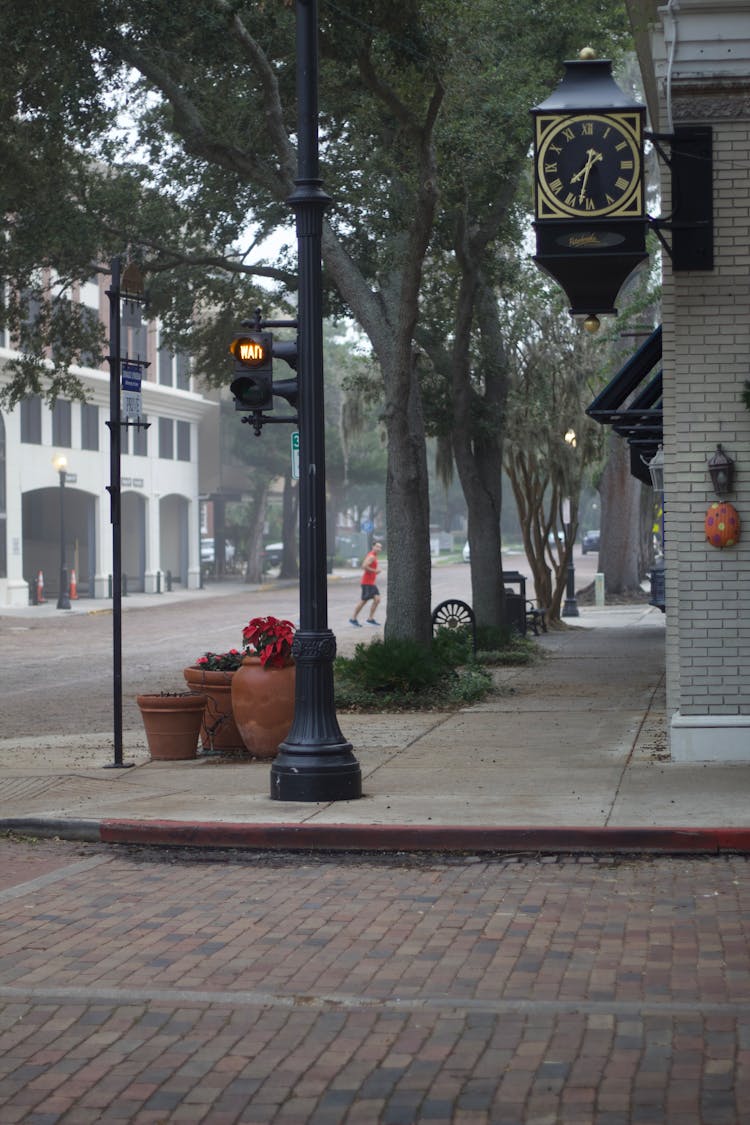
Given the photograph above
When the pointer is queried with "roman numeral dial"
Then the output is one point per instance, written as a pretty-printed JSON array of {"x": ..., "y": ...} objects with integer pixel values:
[{"x": 589, "y": 165}]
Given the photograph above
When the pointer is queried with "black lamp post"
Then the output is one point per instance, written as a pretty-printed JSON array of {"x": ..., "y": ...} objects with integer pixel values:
[
  {"x": 63, "y": 598},
  {"x": 570, "y": 607},
  {"x": 315, "y": 762}
]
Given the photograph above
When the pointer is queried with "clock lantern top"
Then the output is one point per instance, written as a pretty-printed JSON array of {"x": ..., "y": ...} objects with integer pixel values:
[
  {"x": 587, "y": 85},
  {"x": 588, "y": 139}
]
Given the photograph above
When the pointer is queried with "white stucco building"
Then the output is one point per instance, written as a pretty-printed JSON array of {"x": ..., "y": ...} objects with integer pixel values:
[{"x": 159, "y": 478}]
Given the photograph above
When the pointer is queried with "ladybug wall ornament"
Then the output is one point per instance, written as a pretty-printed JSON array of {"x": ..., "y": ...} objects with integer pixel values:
[{"x": 722, "y": 525}]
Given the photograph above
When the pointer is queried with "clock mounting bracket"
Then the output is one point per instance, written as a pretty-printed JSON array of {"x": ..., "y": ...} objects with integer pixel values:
[{"x": 688, "y": 153}]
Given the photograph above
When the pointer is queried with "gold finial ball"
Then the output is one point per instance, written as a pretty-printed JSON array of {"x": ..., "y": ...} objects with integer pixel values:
[
  {"x": 591, "y": 324},
  {"x": 587, "y": 53}
]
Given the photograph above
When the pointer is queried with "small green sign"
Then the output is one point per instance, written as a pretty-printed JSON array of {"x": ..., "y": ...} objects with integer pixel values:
[{"x": 295, "y": 455}]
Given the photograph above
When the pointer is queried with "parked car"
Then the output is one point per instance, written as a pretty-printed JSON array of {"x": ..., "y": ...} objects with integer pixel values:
[
  {"x": 208, "y": 551},
  {"x": 272, "y": 553},
  {"x": 590, "y": 542}
]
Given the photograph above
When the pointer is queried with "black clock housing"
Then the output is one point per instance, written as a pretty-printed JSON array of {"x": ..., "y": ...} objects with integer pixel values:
[{"x": 588, "y": 186}]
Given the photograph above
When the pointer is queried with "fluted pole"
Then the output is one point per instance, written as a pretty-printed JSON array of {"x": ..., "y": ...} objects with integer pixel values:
[{"x": 315, "y": 762}]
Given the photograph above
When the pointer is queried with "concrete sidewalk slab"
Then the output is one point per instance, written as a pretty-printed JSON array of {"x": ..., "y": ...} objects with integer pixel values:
[{"x": 571, "y": 753}]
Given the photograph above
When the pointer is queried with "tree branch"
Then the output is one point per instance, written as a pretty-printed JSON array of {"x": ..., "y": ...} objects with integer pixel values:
[{"x": 188, "y": 121}]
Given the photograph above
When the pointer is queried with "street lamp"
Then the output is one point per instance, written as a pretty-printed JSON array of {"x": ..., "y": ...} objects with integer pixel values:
[
  {"x": 570, "y": 608},
  {"x": 314, "y": 762},
  {"x": 60, "y": 462}
]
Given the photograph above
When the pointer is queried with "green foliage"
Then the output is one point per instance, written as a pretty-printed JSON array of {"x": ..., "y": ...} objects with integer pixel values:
[
  {"x": 453, "y": 646},
  {"x": 400, "y": 675},
  {"x": 394, "y": 666},
  {"x": 518, "y": 652}
]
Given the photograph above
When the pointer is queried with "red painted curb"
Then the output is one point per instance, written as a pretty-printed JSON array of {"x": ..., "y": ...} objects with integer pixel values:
[{"x": 418, "y": 837}]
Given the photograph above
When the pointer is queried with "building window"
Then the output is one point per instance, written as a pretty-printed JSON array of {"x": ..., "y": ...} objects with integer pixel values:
[
  {"x": 183, "y": 372},
  {"x": 174, "y": 371},
  {"x": 183, "y": 441},
  {"x": 165, "y": 367},
  {"x": 61, "y": 425},
  {"x": 88, "y": 357},
  {"x": 31, "y": 420},
  {"x": 166, "y": 439},
  {"x": 140, "y": 439},
  {"x": 89, "y": 426},
  {"x": 139, "y": 341}
]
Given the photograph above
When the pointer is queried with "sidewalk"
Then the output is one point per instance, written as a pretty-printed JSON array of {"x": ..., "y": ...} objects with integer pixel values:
[{"x": 570, "y": 754}]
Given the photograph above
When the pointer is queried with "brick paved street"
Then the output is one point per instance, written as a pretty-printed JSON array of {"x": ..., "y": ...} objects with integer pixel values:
[{"x": 186, "y": 987}]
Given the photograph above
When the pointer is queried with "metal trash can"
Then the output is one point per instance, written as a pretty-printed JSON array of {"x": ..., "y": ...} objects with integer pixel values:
[
  {"x": 515, "y": 603},
  {"x": 658, "y": 586}
]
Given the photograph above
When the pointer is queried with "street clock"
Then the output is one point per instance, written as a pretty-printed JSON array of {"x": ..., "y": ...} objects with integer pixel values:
[{"x": 590, "y": 220}]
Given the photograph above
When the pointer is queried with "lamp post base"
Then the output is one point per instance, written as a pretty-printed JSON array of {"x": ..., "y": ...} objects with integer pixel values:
[
  {"x": 570, "y": 608},
  {"x": 315, "y": 762},
  {"x": 316, "y": 777},
  {"x": 63, "y": 600}
]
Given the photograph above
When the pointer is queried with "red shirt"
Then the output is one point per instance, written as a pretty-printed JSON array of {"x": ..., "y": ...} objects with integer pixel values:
[{"x": 370, "y": 565}]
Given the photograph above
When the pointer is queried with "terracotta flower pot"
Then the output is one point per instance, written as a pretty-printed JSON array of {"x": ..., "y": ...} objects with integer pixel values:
[
  {"x": 263, "y": 705},
  {"x": 172, "y": 723},
  {"x": 218, "y": 730}
]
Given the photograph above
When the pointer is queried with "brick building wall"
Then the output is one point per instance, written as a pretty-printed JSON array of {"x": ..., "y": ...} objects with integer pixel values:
[{"x": 706, "y": 324}]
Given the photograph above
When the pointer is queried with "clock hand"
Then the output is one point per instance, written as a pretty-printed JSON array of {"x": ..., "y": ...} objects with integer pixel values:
[{"x": 592, "y": 157}]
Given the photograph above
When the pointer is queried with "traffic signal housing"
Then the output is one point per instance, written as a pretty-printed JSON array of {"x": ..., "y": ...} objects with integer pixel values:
[
  {"x": 252, "y": 385},
  {"x": 286, "y": 388}
]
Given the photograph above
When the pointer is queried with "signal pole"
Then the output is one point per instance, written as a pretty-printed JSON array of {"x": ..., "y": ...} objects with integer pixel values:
[{"x": 315, "y": 762}]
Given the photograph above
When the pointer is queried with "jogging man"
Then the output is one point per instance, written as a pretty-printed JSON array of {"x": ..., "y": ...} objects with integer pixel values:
[{"x": 370, "y": 591}]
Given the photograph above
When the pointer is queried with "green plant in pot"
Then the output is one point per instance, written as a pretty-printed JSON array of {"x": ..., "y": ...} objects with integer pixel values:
[{"x": 212, "y": 675}]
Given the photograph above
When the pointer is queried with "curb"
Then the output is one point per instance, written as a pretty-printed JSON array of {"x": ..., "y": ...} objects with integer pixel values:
[{"x": 387, "y": 838}]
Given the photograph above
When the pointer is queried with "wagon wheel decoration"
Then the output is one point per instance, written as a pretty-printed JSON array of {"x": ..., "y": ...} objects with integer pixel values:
[{"x": 453, "y": 615}]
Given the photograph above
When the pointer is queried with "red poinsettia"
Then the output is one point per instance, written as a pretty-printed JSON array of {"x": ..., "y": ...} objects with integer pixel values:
[
  {"x": 220, "y": 661},
  {"x": 271, "y": 637}
]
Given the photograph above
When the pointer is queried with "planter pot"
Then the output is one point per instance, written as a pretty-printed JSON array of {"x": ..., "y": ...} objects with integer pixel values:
[
  {"x": 172, "y": 723},
  {"x": 263, "y": 705},
  {"x": 218, "y": 730}
]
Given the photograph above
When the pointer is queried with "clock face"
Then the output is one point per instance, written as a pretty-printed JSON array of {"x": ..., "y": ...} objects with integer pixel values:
[{"x": 589, "y": 165}]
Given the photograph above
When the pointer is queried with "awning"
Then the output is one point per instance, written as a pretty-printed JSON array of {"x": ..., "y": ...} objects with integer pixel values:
[{"x": 640, "y": 421}]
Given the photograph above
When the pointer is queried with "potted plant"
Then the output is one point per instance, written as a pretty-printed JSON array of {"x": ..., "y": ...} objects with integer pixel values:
[
  {"x": 263, "y": 686},
  {"x": 212, "y": 675},
  {"x": 172, "y": 721}
]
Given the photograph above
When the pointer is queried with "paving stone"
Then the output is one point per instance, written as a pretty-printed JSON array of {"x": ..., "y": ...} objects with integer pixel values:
[{"x": 516, "y": 992}]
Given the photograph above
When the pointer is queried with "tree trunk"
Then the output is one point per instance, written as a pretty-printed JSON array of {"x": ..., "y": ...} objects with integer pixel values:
[
  {"x": 260, "y": 489},
  {"x": 407, "y": 508},
  {"x": 289, "y": 566},
  {"x": 620, "y": 550},
  {"x": 477, "y": 417},
  {"x": 389, "y": 318}
]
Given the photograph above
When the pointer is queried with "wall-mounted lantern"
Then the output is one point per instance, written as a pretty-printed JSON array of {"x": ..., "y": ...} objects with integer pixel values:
[
  {"x": 656, "y": 470},
  {"x": 721, "y": 470}
]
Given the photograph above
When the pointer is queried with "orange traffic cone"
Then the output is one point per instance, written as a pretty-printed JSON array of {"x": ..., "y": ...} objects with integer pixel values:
[
  {"x": 40, "y": 588},
  {"x": 73, "y": 585}
]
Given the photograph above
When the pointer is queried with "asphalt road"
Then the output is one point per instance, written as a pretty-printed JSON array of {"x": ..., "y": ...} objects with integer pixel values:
[{"x": 57, "y": 668}]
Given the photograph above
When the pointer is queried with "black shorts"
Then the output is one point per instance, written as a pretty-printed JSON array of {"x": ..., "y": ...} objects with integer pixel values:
[{"x": 369, "y": 592}]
